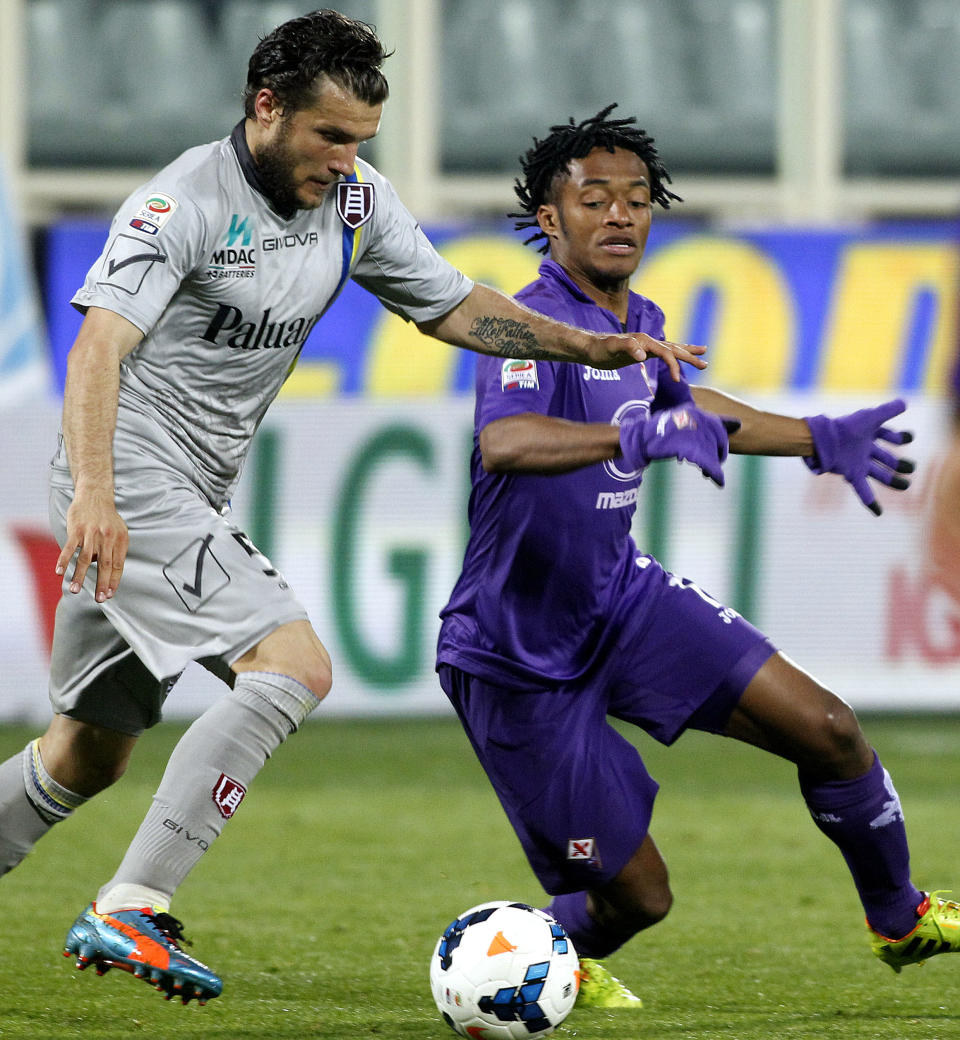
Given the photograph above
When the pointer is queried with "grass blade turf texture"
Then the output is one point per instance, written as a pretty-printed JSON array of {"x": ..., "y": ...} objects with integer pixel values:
[{"x": 321, "y": 903}]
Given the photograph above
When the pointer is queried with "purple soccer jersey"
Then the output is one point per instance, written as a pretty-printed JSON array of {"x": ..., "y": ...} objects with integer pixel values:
[
  {"x": 557, "y": 621},
  {"x": 550, "y": 557}
]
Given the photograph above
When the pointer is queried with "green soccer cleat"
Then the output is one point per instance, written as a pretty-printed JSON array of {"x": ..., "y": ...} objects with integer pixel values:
[
  {"x": 937, "y": 931},
  {"x": 145, "y": 943},
  {"x": 600, "y": 989}
]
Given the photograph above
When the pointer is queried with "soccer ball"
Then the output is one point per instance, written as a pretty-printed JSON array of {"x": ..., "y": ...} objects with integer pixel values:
[{"x": 504, "y": 971}]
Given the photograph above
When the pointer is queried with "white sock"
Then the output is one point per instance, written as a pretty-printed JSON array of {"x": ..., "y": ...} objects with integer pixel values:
[{"x": 130, "y": 897}]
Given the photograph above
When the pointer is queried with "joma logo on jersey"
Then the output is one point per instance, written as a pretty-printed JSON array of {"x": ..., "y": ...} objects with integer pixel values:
[
  {"x": 602, "y": 374},
  {"x": 583, "y": 848},
  {"x": 230, "y": 326}
]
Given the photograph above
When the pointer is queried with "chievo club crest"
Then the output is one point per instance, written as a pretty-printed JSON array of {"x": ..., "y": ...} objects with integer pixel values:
[
  {"x": 354, "y": 203},
  {"x": 227, "y": 795}
]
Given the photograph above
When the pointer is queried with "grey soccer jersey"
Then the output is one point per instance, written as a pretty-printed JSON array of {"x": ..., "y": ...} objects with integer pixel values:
[{"x": 226, "y": 291}]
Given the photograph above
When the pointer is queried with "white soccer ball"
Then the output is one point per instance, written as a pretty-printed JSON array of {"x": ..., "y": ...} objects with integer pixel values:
[{"x": 504, "y": 971}]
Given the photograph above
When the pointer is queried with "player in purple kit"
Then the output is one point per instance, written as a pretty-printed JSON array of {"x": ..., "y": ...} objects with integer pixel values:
[{"x": 558, "y": 621}]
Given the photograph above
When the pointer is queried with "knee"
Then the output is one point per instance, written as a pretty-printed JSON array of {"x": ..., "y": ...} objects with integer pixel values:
[
  {"x": 317, "y": 674},
  {"x": 86, "y": 760},
  {"x": 295, "y": 651},
  {"x": 652, "y": 907},
  {"x": 843, "y": 751},
  {"x": 631, "y": 910},
  {"x": 101, "y": 774}
]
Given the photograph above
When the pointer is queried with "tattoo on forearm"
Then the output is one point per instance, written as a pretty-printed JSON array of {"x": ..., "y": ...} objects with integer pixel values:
[{"x": 509, "y": 338}]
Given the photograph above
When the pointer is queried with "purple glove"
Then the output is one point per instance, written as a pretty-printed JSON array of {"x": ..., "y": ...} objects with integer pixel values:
[
  {"x": 683, "y": 432},
  {"x": 847, "y": 446}
]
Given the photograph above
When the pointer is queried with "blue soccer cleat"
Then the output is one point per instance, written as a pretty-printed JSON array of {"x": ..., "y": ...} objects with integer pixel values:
[{"x": 145, "y": 943}]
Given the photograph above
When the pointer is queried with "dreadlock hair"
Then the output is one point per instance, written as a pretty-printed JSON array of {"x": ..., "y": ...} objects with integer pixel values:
[
  {"x": 321, "y": 43},
  {"x": 547, "y": 162}
]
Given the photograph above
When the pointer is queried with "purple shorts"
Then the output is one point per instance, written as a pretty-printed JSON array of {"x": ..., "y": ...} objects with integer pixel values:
[{"x": 577, "y": 792}]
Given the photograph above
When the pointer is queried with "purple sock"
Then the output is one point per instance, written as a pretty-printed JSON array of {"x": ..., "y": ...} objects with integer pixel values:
[
  {"x": 863, "y": 818},
  {"x": 589, "y": 938}
]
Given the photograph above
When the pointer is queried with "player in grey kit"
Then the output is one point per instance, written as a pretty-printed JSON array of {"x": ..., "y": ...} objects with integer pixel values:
[
  {"x": 558, "y": 621},
  {"x": 212, "y": 277}
]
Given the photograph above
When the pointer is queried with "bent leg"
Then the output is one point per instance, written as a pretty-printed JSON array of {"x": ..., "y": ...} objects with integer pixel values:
[
  {"x": 785, "y": 711},
  {"x": 848, "y": 792},
  {"x": 84, "y": 757},
  {"x": 278, "y": 683},
  {"x": 602, "y": 920},
  {"x": 52, "y": 777}
]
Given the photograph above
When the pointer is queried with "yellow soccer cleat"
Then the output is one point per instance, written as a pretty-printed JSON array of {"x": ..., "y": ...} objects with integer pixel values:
[
  {"x": 937, "y": 931},
  {"x": 600, "y": 989}
]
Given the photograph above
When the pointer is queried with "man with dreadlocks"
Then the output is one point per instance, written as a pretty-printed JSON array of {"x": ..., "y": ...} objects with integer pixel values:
[{"x": 558, "y": 621}]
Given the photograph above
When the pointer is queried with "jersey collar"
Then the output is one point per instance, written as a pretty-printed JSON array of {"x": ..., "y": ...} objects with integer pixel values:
[{"x": 551, "y": 271}]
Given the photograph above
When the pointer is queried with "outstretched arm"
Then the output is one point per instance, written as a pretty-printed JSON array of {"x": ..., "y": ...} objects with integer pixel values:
[
  {"x": 89, "y": 421},
  {"x": 848, "y": 445},
  {"x": 491, "y": 322},
  {"x": 760, "y": 433}
]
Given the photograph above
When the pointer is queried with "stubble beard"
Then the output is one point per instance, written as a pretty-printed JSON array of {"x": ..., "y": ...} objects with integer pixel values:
[
  {"x": 275, "y": 167},
  {"x": 607, "y": 282}
]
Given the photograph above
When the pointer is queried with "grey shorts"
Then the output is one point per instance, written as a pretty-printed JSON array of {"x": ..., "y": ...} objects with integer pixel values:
[{"x": 194, "y": 588}]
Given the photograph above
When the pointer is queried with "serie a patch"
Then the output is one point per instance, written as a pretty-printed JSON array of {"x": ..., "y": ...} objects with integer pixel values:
[
  {"x": 156, "y": 210},
  {"x": 519, "y": 375}
]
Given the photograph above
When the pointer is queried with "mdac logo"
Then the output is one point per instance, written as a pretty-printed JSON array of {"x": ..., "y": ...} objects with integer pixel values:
[{"x": 237, "y": 258}]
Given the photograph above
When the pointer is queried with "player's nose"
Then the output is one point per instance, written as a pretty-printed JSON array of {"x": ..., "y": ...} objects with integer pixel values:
[
  {"x": 619, "y": 213},
  {"x": 344, "y": 159}
]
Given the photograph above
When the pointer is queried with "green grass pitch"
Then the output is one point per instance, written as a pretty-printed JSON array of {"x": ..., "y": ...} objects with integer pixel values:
[{"x": 358, "y": 843}]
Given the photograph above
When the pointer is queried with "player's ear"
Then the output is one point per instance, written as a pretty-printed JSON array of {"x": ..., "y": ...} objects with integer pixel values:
[
  {"x": 267, "y": 107},
  {"x": 549, "y": 219}
]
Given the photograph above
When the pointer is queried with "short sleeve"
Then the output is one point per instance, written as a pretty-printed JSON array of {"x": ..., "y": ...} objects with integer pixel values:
[
  {"x": 508, "y": 386},
  {"x": 400, "y": 266},
  {"x": 154, "y": 243}
]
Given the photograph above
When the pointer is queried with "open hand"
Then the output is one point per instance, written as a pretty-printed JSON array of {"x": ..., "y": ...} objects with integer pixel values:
[
  {"x": 848, "y": 446},
  {"x": 617, "y": 351},
  {"x": 95, "y": 533}
]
